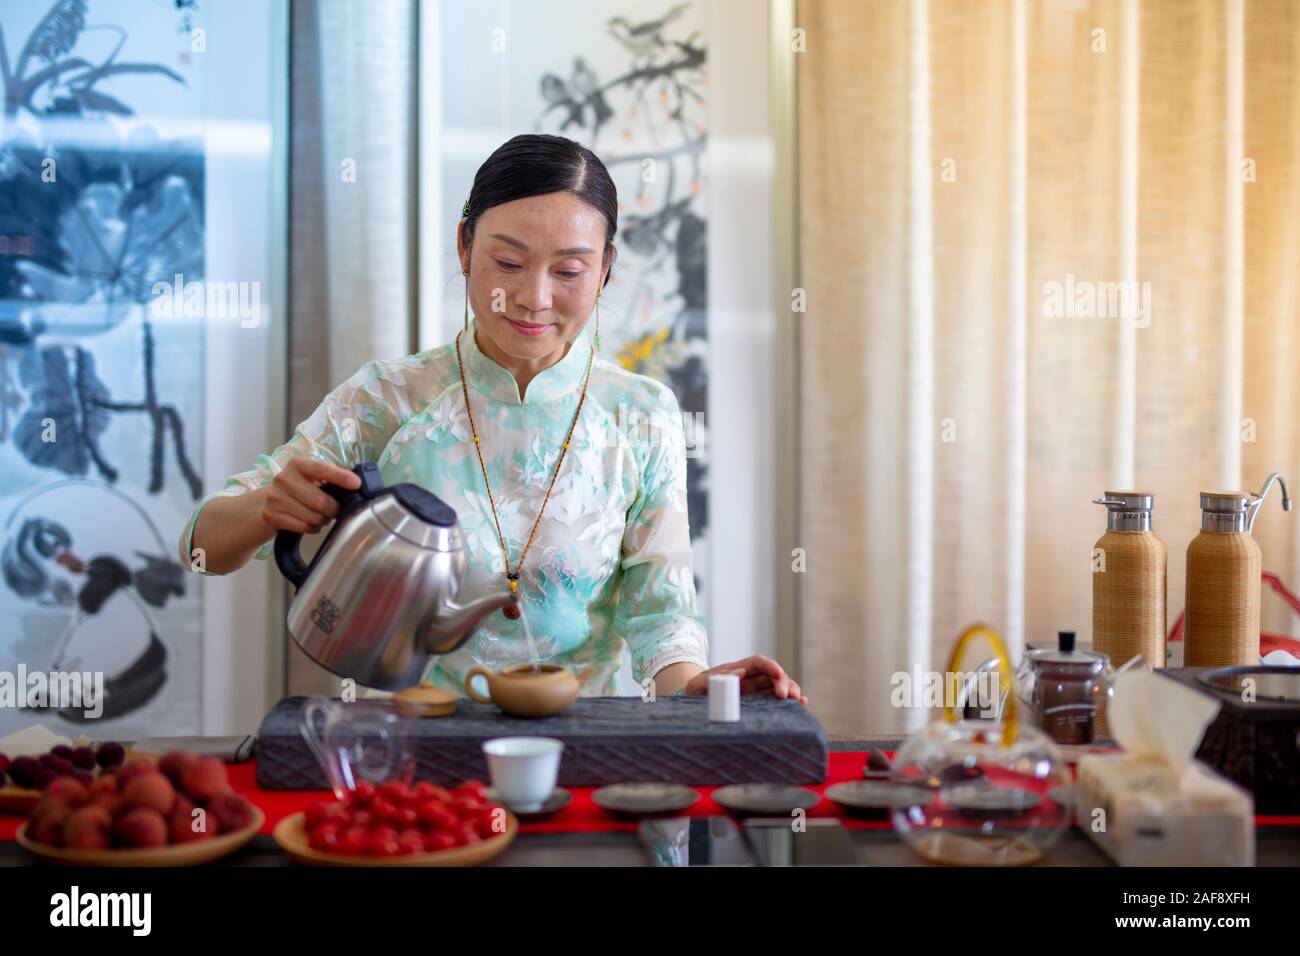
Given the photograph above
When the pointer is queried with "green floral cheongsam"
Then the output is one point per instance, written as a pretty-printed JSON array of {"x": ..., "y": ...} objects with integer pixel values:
[{"x": 611, "y": 564}]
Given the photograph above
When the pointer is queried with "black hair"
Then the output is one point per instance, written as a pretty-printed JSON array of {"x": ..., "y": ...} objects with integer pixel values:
[{"x": 534, "y": 164}]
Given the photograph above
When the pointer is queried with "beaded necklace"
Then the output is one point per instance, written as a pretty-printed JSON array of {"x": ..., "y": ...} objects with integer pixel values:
[{"x": 512, "y": 577}]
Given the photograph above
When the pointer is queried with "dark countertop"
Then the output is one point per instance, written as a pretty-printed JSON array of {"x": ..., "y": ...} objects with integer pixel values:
[{"x": 1275, "y": 847}]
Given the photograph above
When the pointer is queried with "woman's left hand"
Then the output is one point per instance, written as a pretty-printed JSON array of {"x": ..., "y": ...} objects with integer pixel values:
[{"x": 758, "y": 675}]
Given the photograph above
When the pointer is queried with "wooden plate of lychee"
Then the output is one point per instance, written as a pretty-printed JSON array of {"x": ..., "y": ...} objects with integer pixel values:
[
  {"x": 177, "y": 810},
  {"x": 178, "y": 854}
]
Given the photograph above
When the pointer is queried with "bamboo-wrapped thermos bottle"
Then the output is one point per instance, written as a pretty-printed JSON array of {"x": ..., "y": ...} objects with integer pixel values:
[
  {"x": 1223, "y": 576},
  {"x": 1129, "y": 568}
]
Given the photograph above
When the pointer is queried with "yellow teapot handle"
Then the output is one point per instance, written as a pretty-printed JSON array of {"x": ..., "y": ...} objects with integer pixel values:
[{"x": 1009, "y": 722}]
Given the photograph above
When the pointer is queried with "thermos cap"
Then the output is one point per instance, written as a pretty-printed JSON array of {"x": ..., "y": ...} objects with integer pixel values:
[
  {"x": 1229, "y": 501},
  {"x": 1128, "y": 500},
  {"x": 1127, "y": 510}
]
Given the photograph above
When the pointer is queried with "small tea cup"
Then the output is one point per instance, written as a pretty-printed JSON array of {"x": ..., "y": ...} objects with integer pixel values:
[{"x": 523, "y": 769}]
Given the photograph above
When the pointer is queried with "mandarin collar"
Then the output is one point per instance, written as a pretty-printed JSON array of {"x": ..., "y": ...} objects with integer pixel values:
[{"x": 486, "y": 376}]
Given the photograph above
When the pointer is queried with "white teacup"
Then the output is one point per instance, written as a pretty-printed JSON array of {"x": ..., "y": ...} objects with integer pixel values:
[{"x": 523, "y": 769}]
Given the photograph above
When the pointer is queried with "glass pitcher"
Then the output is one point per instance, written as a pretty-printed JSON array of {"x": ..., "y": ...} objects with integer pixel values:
[{"x": 359, "y": 740}]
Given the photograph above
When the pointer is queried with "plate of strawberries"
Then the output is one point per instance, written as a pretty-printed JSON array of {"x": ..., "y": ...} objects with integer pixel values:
[{"x": 400, "y": 824}]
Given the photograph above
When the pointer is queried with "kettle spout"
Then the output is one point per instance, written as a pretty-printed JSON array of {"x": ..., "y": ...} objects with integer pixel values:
[{"x": 453, "y": 624}]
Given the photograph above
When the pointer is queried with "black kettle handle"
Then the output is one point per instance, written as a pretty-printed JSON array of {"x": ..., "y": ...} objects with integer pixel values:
[{"x": 288, "y": 557}]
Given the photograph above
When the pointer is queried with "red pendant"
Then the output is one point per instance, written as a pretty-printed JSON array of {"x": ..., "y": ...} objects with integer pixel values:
[{"x": 512, "y": 611}]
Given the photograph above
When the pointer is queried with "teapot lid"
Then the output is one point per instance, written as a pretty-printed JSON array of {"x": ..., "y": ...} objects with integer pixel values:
[
  {"x": 1064, "y": 654},
  {"x": 426, "y": 506},
  {"x": 426, "y": 700}
]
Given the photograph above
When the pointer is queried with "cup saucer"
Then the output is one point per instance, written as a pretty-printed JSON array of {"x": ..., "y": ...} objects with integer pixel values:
[
  {"x": 766, "y": 799},
  {"x": 644, "y": 799},
  {"x": 557, "y": 801}
]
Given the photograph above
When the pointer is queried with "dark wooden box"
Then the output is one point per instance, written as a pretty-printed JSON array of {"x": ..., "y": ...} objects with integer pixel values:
[
  {"x": 607, "y": 740},
  {"x": 1254, "y": 744}
]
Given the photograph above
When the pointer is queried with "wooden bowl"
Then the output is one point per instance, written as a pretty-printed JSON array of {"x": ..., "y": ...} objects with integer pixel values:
[
  {"x": 182, "y": 854},
  {"x": 291, "y": 834}
]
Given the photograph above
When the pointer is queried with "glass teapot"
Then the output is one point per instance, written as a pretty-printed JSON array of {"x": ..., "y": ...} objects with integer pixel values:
[
  {"x": 1062, "y": 691},
  {"x": 997, "y": 789}
]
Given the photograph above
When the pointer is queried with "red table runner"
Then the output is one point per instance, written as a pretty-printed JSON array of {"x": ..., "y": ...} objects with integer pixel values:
[{"x": 581, "y": 815}]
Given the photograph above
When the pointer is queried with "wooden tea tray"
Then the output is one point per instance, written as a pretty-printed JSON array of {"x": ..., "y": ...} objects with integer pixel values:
[{"x": 607, "y": 740}]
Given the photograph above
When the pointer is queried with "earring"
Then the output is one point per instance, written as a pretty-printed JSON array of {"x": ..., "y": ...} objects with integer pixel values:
[
  {"x": 466, "y": 302},
  {"x": 597, "y": 341}
]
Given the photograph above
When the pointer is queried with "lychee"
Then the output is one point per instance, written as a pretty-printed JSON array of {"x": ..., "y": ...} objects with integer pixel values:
[
  {"x": 141, "y": 827},
  {"x": 149, "y": 790},
  {"x": 186, "y": 826},
  {"x": 205, "y": 779},
  {"x": 48, "y": 829},
  {"x": 89, "y": 828},
  {"x": 232, "y": 810},
  {"x": 133, "y": 769},
  {"x": 70, "y": 789},
  {"x": 171, "y": 765},
  {"x": 111, "y": 802},
  {"x": 48, "y": 803}
]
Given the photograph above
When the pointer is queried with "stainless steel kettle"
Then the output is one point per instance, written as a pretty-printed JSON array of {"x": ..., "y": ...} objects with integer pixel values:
[{"x": 379, "y": 597}]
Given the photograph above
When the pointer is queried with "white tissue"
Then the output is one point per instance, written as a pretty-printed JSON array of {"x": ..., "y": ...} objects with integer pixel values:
[
  {"x": 1280, "y": 658},
  {"x": 1155, "y": 718},
  {"x": 33, "y": 741}
]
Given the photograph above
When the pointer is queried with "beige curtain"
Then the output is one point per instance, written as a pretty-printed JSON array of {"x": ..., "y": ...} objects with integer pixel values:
[
  {"x": 352, "y": 209},
  {"x": 957, "y": 158}
]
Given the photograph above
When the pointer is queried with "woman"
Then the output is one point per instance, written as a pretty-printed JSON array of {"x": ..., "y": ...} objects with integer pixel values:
[{"x": 566, "y": 471}]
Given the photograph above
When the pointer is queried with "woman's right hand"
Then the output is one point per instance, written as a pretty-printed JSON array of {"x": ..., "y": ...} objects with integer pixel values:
[{"x": 294, "y": 500}]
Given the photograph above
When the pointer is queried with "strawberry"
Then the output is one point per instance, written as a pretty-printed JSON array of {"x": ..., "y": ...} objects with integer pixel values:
[
  {"x": 382, "y": 846},
  {"x": 424, "y": 790},
  {"x": 436, "y": 816},
  {"x": 325, "y": 838},
  {"x": 472, "y": 788},
  {"x": 394, "y": 791},
  {"x": 363, "y": 794},
  {"x": 353, "y": 841},
  {"x": 411, "y": 841},
  {"x": 441, "y": 840}
]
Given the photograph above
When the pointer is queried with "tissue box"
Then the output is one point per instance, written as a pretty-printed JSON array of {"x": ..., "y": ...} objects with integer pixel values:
[{"x": 1138, "y": 814}]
